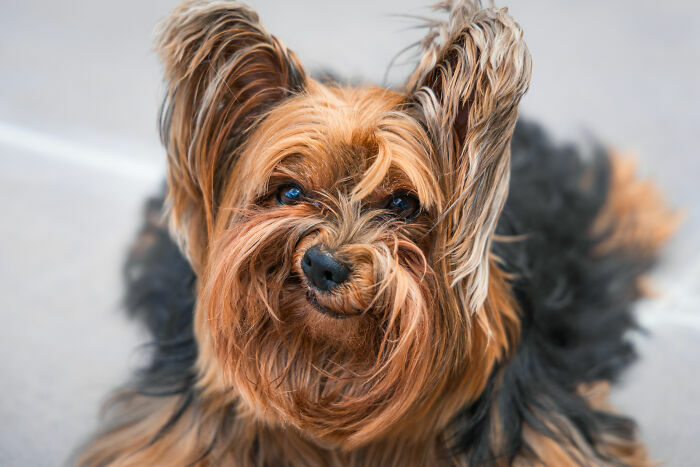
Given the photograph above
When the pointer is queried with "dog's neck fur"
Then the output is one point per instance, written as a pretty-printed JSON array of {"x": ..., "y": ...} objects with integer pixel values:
[{"x": 231, "y": 432}]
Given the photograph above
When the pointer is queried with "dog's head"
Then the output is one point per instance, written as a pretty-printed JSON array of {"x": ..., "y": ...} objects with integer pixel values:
[{"x": 341, "y": 235}]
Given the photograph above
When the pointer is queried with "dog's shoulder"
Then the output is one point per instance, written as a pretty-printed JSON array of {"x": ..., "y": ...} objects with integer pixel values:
[{"x": 575, "y": 279}]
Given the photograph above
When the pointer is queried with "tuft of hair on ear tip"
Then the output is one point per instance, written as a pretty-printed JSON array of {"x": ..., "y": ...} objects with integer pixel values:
[{"x": 441, "y": 33}]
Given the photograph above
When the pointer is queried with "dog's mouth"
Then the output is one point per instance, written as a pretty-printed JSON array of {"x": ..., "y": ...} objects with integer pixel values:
[{"x": 313, "y": 300}]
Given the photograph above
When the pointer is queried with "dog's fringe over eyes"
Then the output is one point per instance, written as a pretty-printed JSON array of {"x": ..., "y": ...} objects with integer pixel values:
[{"x": 476, "y": 322}]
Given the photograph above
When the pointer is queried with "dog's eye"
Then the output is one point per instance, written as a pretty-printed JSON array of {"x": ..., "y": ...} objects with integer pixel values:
[
  {"x": 403, "y": 205},
  {"x": 289, "y": 194}
]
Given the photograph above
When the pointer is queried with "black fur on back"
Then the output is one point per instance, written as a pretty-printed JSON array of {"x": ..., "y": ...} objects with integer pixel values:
[
  {"x": 160, "y": 292},
  {"x": 575, "y": 307}
]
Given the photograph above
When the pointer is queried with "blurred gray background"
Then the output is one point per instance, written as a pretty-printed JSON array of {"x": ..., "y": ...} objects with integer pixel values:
[{"x": 79, "y": 93}]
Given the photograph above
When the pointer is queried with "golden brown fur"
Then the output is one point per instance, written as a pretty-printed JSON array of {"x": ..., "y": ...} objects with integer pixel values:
[
  {"x": 635, "y": 215},
  {"x": 429, "y": 312},
  {"x": 281, "y": 360}
]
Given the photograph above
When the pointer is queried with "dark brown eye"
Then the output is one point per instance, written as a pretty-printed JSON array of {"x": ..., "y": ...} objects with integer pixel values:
[
  {"x": 403, "y": 205},
  {"x": 289, "y": 194}
]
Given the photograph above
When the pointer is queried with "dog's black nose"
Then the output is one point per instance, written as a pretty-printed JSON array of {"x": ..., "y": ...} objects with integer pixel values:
[{"x": 322, "y": 269}]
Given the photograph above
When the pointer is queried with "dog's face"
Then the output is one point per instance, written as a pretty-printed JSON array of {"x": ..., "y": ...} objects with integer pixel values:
[{"x": 341, "y": 235}]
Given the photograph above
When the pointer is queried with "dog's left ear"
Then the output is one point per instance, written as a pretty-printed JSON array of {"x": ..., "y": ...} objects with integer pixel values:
[
  {"x": 466, "y": 91},
  {"x": 224, "y": 72}
]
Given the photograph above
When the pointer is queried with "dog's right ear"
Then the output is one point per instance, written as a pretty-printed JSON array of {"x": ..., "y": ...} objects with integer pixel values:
[
  {"x": 223, "y": 71},
  {"x": 466, "y": 90}
]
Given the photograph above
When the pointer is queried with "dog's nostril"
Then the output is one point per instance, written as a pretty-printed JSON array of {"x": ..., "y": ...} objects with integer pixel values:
[{"x": 323, "y": 270}]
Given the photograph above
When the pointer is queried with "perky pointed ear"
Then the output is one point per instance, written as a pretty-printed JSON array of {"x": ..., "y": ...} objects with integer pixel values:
[
  {"x": 224, "y": 71},
  {"x": 467, "y": 88}
]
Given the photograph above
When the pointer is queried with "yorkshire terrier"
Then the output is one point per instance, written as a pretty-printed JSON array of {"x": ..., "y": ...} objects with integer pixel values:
[{"x": 360, "y": 276}]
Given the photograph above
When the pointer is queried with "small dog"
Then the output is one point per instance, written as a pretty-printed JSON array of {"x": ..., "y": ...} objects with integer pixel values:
[{"x": 368, "y": 279}]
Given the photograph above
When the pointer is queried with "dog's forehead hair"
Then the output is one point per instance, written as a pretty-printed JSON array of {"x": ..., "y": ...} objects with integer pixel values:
[{"x": 357, "y": 140}]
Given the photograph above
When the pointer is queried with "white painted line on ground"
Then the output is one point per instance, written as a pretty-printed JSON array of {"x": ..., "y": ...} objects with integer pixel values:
[
  {"x": 80, "y": 154},
  {"x": 678, "y": 302},
  {"x": 660, "y": 316}
]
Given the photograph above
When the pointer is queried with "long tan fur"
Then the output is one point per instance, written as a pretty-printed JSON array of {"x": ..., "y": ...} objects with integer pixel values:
[{"x": 431, "y": 312}]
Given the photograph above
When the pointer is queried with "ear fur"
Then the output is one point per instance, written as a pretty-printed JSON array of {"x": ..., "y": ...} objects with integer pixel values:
[
  {"x": 467, "y": 87},
  {"x": 223, "y": 71}
]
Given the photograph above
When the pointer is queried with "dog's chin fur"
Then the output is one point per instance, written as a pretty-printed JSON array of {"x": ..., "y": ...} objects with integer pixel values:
[{"x": 450, "y": 342}]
